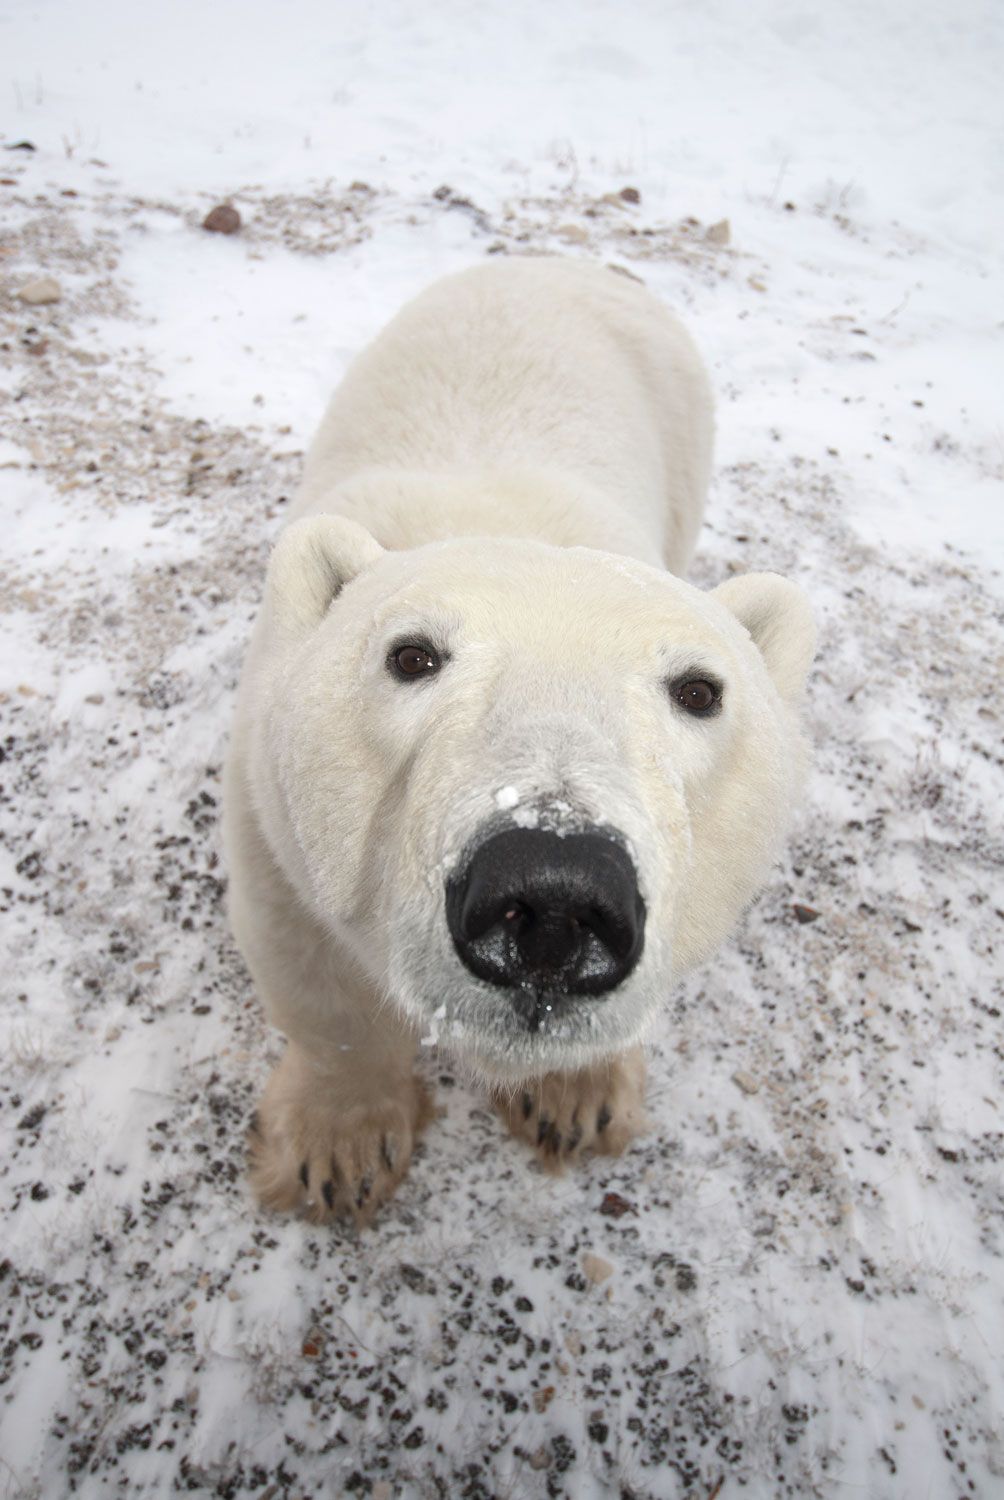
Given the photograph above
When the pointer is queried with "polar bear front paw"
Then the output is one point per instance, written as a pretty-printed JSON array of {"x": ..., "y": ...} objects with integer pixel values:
[
  {"x": 564, "y": 1115},
  {"x": 311, "y": 1156}
]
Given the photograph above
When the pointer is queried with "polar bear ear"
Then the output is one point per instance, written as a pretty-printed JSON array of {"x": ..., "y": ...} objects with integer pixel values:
[
  {"x": 779, "y": 618},
  {"x": 311, "y": 563}
]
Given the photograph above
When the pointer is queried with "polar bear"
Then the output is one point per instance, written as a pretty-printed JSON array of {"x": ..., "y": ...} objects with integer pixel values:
[{"x": 498, "y": 776}]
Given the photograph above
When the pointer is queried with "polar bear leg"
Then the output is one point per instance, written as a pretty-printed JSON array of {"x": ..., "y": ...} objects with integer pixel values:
[
  {"x": 336, "y": 1127},
  {"x": 562, "y": 1115}
]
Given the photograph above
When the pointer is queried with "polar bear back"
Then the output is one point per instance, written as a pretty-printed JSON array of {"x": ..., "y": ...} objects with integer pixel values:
[{"x": 539, "y": 397}]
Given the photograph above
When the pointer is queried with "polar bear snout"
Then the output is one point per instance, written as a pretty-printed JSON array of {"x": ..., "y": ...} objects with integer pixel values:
[{"x": 548, "y": 914}]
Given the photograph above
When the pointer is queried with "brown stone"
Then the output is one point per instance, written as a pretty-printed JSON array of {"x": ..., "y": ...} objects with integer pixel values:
[{"x": 223, "y": 219}]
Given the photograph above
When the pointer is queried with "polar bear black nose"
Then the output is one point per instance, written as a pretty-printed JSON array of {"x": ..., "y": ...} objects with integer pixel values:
[{"x": 544, "y": 911}]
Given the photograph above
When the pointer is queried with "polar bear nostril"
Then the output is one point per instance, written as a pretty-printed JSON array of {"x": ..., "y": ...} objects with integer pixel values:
[{"x": 534, "y": 910}]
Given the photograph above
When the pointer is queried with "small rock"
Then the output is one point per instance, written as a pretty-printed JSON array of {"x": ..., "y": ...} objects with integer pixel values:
[
  {"x": 223, "y": 219},
  {"x": 805, "y": 913},
  {"x": 543, "y": 1398},
  {"x": 720, "y": 233},
  {"x": 623, "y": 271},
  {"x": 22, "y": 146},
  {"x": 596, "y": 1269},
  {"x": 686, "y": 1278},
  {"x": 41, "y": 292},
  {"x": 615, "y": 1207},
  {"x": 416, "y": 1279},
  {"x": 746, "y": 1082},
  {"x": 539, "y": 1459},
  {"x": 572, "y": 234},
  {"x": 630, "y": 195},
  {"x": 457, "y": 201},
  {"x": 573, "y": 1342}
]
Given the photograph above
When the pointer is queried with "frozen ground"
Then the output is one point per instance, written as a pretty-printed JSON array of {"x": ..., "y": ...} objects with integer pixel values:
[{"x": 796, "y": 1282}]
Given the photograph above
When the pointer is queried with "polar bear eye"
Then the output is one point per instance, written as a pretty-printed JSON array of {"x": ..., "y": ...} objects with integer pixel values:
[
  {"x": 698, "y": 696},
  {"x": 413, "y": 660}
]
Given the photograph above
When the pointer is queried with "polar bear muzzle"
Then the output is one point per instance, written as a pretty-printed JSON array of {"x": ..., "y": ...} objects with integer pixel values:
[{"x": 546, "y": 915}]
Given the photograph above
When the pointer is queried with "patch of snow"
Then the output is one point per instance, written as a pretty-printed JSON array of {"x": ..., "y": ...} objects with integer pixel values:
[{"x": 432, "y": 1038}]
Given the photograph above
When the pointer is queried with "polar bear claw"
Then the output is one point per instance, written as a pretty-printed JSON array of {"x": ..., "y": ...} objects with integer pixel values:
[{"x": 564, "y": 1116}]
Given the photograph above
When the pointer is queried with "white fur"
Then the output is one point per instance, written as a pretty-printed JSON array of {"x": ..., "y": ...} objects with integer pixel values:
[{"x": 508, "y": 471}]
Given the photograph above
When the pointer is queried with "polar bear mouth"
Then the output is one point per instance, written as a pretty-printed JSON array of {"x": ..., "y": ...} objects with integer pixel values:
[{"x": 547, "y": 918}]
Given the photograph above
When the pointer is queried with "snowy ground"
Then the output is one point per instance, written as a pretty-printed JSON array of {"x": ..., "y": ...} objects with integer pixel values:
[{"x": 806, "y": 1257}]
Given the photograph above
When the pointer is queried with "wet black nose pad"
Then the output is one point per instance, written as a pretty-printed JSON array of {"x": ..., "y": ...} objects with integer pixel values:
[{"x": 536, "y": 909}]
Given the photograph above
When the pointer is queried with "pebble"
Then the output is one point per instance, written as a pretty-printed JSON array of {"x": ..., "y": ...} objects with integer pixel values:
[
  {"x": 223, "y": 219},
  {"x": 720, "y": 233},
  {"x": 596, "y": 1269},
  {"x": 630, "y": 195},
  {"x": 41, "y": 292},
  {"x": 623, "y": 271},
  {"x": 572, "y": 234},
  {"x": 746, "y": 1082},
  {"x": 614, "y": 1206}
]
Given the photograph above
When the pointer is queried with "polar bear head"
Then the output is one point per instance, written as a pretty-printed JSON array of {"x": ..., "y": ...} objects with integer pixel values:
[{"x": 525, "y": 786}]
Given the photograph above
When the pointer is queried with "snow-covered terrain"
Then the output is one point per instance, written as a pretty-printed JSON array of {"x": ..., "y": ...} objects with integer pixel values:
[{"x": 794, "y": 1286}]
